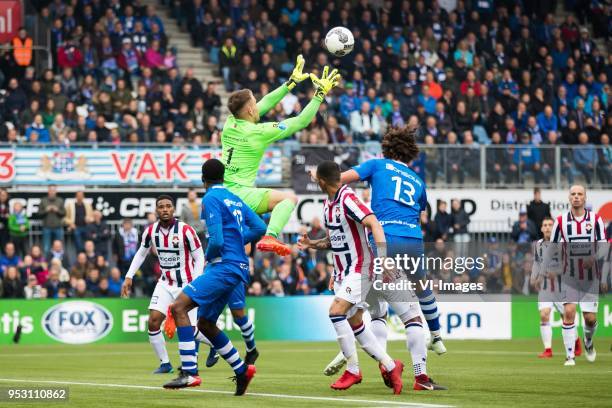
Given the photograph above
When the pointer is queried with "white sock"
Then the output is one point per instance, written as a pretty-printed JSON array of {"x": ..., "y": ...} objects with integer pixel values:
[
  {"x": 158, "y": 342},
  {"x": 379, "y": 328},
  {"x": 199, "y": 336},
  {"x": 546, "y": 333},
  {"x": 346, "y": 340},
  {"x": 569, "y": 339},
  {"x": 415, "y": 341},
  {"x": 589, "y": 332},
  {"x": 367, "y": 339}
]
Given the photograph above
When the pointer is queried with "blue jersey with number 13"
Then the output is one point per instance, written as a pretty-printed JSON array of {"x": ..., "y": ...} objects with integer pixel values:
[{"x": 398, "y": 196}]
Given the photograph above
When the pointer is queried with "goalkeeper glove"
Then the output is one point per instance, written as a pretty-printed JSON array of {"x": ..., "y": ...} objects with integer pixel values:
[
  {"x": 297, "y": 76},
  {"x": 325, "y": 84}
]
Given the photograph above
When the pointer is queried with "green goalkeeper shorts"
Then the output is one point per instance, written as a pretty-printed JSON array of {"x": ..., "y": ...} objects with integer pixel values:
[{"x": 256, "y": 198}]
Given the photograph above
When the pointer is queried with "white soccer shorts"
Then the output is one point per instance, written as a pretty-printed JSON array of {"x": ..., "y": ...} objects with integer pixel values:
[
  {"x": 550, "y": 300},
  {"x": 379, "y": 302},
  {"x": 583, "y": 293},
  {"x": 164, "y": 295},
  {"x": 352, "y": 287}
]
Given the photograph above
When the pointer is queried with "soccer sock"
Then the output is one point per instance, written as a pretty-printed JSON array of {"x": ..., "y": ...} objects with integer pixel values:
[
  {"x": 589, "y": 332},
  {"x": 159, "y": 346},
  {"x": 428, "y": 304},
  {"x": 569, "y": 339},
  {"x": 367, "y": 339},
  {"x": 248, "y": 331},
  {"x": 415, "y": 341},
  {"x": 546, "y": 333},
  {"x": 226, "y": 349},
  {"x": 379, "y": 328},
  {"x": 346, "y": 340},
  {"x": 187, "y": 350},
  {"x": 201, "y": 338},
  {"x": 280, "y": 216}
]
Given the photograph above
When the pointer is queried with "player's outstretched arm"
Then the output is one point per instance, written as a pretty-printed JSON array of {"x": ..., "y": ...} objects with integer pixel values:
[
  {"x": 273, "y": 98},
  {"x": 271, "y": 132}
]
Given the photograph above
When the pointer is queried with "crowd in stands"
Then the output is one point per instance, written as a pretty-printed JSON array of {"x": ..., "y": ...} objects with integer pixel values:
[
  {"x": 80, "y": 255},
  {"x": 486, "y": 72}
]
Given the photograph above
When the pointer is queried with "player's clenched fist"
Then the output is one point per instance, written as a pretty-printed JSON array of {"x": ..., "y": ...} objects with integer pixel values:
[
  {"x": 325, "y": 84},
  {"x": 296, "y": 75}
]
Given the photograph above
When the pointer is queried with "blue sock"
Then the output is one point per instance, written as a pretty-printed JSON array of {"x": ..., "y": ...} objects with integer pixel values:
[
  {"x": 226, "y": 349},
  {"x": 187, "y": 350},
  {"x": 428, "y": 304},
  {"x": 248, "y": 331}
]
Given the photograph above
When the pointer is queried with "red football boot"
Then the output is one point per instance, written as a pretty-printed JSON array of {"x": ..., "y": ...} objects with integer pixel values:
[
  {"x": 347, "y": 380},
  {"x": 270, "y": 244},
  {"x": 424, "y": 383},
  {"x": 578, "y": 348},
  {"x": 547, "y": 353},
  {"x": 243, "y": 380},
  {"x": 395, "y": 377},
  {"x": 169, "y": 325},
  {"x": 385, "y": 375}
]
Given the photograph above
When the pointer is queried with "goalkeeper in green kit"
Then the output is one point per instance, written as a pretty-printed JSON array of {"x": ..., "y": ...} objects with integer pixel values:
[{"x": 245, "y": 140}]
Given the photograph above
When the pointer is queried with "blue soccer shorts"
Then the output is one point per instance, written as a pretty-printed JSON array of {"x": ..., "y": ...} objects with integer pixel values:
[
  {"x": 398, "y": 245},
  {"x": 215, "y": 288}
]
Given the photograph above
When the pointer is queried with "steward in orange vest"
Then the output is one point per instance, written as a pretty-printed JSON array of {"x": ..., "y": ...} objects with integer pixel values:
[{"x": 22, "y": 48}]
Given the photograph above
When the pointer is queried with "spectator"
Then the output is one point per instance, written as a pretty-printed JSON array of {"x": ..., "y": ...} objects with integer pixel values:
[
  {"x": 115, "y": 281},
  {"x": 53, "y": 283},
  {"x": 585, "y": 157},
  {"x": 364, "y": 124},
  {"x": 19, "y": 227},
  {"x": 9, "y": 258},
  {"x": 537, "y": 210},
  {"x": 524, "y": 230},
  {"x": 81, "y": 267},
  {"x": 99, "y": 232},
  {"x": 125, "y": 245},
  {"x": 604, "y": 161},
  {"x": 460, "y": 220},
  {"x": 32, "y": 290},
  {"x": 526, "y": 159},
  {"x": 77, "y": 213},
  {"x": 12, "y": 288},
  {"x": 191, "y": 213},
  {"x": 37, "y": 127},
  {"x": 57, "y": 252},
  {"x": 52, "y": 212},
  {"x": 443, "y": 220}
]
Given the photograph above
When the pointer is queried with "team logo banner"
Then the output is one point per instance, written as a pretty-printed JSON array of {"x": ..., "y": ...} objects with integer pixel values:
[{"x": 119, "y": 167}]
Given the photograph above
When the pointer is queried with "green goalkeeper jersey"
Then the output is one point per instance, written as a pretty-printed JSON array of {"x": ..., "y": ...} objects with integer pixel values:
[{"x": 244, "y": 142}]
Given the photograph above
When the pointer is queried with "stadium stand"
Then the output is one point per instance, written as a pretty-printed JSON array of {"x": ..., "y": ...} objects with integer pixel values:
[{"x": 504, "y": 95}]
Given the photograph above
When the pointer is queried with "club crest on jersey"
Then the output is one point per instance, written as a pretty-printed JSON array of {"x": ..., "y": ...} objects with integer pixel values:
[
  {"x": 588, "y": 227},
  {"x": 337, "y": 214},
  {"x": 348, "y": 290},
  {"x": 175, "y": 240}
]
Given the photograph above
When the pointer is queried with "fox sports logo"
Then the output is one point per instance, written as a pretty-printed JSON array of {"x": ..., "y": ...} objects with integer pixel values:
[{"x": 77, "y": 322}]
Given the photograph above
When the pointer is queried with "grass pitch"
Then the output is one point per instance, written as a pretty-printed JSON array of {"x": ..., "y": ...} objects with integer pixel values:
[{"x": 478, "y": 373}]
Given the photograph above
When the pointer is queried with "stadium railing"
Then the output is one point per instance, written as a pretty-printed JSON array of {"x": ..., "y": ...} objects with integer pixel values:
[{"x": 442, "y": 166}]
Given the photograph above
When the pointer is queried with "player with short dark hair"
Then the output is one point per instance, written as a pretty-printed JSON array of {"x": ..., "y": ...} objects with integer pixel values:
[
  {"x": 181, "y": 260},
  {"x": 231, "y": 224},
  {"x": 346, "y": 220}
]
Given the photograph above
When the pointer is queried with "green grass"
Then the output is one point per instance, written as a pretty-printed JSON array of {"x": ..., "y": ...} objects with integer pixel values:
[{"x": 478, "y": 373}]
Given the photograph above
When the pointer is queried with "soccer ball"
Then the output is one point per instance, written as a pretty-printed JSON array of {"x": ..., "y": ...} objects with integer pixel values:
[{"x": 339, "y": 41}]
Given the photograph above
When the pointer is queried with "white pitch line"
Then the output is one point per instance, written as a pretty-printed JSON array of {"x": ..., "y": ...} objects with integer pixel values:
[
  {"x": 93, "y": 352},
  {"x": 253, "y": 394}
]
